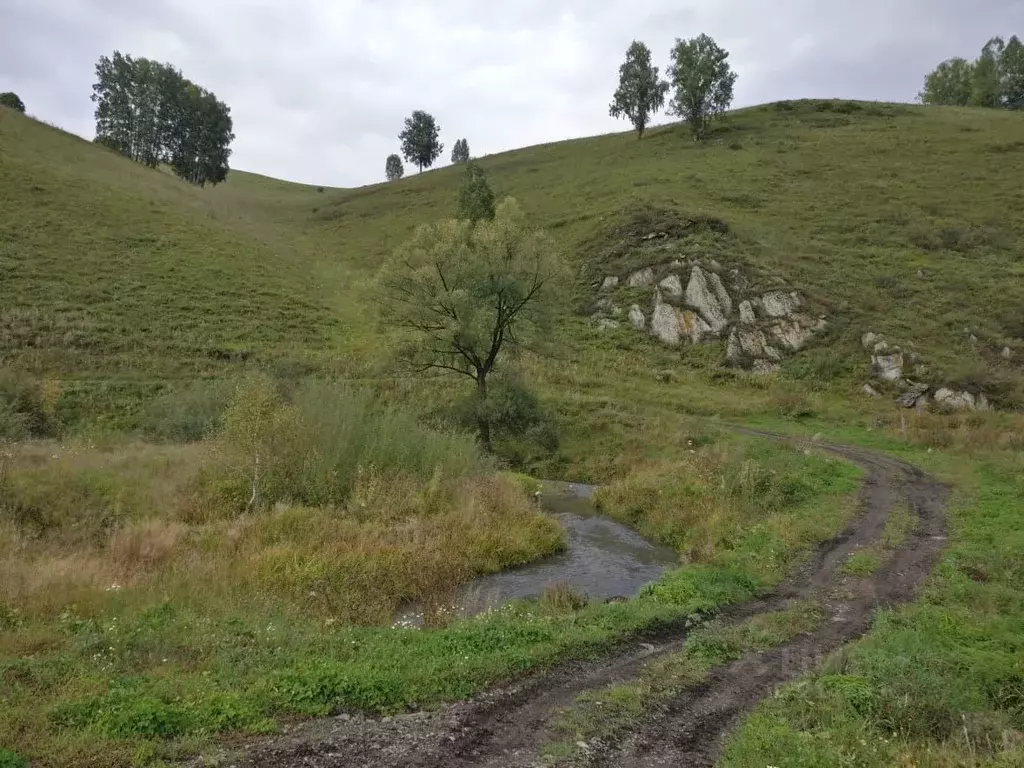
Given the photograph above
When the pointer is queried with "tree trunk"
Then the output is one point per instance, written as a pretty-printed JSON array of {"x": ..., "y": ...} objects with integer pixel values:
[{"x": 483, "y": 424}]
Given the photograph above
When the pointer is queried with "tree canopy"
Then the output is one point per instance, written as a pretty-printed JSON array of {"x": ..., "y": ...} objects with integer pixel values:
[
  {"x": 150, "y": 112},
  {"x": 995, "y": 79},
  {"x": 950, "y": 83},
  {"x": 460, "y": 152},
  {"x": 703, "y": 82},
  {"x": 393, "y": 168},
  {"x": 476, "y": 198},
  {"x": 11, "y": 100},
  {"x": 468, "y": 294},
  {"x": 420, "y": 139},
  {"x": 640, "y": 93}
]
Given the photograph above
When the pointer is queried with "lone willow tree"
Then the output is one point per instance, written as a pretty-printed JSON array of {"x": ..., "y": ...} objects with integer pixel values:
[
  {"x": 420, "y": 140},
  {"x": 703, "y": 82},
  {"x": 393, "y": 168},
  {"x": 640, "y": 93},
  {"x": 468, "y": 294}
]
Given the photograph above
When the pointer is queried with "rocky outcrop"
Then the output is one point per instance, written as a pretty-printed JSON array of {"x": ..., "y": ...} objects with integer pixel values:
[
  {"x": 724, "y": 300},
  {"x": 888, "y": 367},
  {"x": 960, "y": 401},
  {"x": 751, "y": 344},
  {"x": 747, "y": 315},
  {"x": 780, "y": 304},
  {"x": 672, "y": 286},
  {"x": 665, "y": 323},
  {"x": 636, "y": 317},
  {"x": 764, "y": 368},
  {"x": 760, "y": 329},
  {"x": 642, "y": 278},
  {"x": 792, "y": 334},
  {"x": 693, "y": 327},
  {"x": 704, "y": 299}
]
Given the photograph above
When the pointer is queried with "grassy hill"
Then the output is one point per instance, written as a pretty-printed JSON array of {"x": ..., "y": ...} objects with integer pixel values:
[
  {"x": 903, "y": 220},
  {"x": 142, "y": 600}
]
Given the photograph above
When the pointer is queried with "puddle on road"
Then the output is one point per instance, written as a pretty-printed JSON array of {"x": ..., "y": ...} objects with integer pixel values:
[{"x": 603, "y": 559}]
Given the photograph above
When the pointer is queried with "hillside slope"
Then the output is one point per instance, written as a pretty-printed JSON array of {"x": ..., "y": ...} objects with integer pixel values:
[{"x": 908, "y": 221}]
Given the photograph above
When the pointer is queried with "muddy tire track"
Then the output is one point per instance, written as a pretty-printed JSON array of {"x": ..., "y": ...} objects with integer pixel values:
[{"x": 508, "y": 727}]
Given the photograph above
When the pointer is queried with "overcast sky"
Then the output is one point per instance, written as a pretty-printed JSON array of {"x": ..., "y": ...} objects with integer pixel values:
[{"x": 318, "y": 89}]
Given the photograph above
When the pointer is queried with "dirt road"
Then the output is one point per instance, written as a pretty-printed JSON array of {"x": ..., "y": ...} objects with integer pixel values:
[{"x": 508, "y": 727}]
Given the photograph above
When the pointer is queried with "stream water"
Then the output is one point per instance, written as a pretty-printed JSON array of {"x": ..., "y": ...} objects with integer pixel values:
[{"x": 603, "y": 559}]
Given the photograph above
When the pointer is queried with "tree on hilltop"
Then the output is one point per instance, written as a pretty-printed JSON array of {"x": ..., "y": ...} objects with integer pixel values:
[
  {"x": 703, "y": 82},
  {"x": 11, "y": 100},
  {"x": 952, "y": 82},
  {"x": 460, "y": 152},
  {"x": 640, "y": 93},
  {"x": 393, "y": 168},
  {"x": 420, "y": 140},
  {"x": 994, "y": 80}
]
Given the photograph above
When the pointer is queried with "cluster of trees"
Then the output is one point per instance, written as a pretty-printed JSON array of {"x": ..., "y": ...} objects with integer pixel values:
[
  {"x": 995, "y": 79},
  {"x": 421, "y": 146},
  {"x": 150, "y": 112},
  {"x": 700, "y": 80},
  {"x": 11, "y": 100}
]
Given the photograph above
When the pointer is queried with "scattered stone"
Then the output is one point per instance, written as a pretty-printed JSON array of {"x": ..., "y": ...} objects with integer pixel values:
[
  {"x": 665, "y": 323},
  {"x": 870, "y": 391},
  {"x": 869, "y": 339},
  {"x": 701, "y": 297},
  {"x": 609, "y": 283},
  {"x": 913, "y": 396},
  {"x": 642, "y": 278},
  {"x": 957, "y": 401},
  {"x": 913, "y": 358},
  {"x": 974, "y": 340},
  {"x": 715, "y": 265},
  {"x": 765, "y": 368},
  {"x": 888, "y": 367},
  {"x": 607, "y": 324},
  {"x": 881, "y": 348},
  {"x": 747, "y": 313},
  {"x": 780, "y": 304},
  {"x": 636, "y": 317},
  {"x": 1007, "y": 353},
  {"x": 920, "y": 274},
  {"x": 672, "y": 286}
]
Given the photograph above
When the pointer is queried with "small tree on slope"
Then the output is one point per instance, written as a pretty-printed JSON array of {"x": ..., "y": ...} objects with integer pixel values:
[
  {"x": 476, "y": 198},
  {"x": 467, "y": 294},
  {"x": 460, "y": 152},
  {"x": 640, "y": 93},
  {"x": 703, "y": 82},
  {"x": 393, "y": 168}
]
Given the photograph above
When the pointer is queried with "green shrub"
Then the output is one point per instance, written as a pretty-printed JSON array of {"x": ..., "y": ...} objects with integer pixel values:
[
  {"x": 9, "y": 759},
  {"x": 314, "y": 449},
  {"x": 187, "y": 415},
  {"x": 28, "y": 408}
]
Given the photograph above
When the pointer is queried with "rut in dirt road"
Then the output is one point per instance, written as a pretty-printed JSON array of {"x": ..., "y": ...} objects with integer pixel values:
[{"x": 509, "y": 727}]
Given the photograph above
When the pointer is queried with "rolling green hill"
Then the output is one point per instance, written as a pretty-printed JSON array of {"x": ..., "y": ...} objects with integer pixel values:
[
  {"x": 150, "y": 604},
  {"x": 903, "y": 220}
]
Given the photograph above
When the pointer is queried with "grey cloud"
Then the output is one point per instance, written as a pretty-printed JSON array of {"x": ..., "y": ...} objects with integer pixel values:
[{"x": 319, "y": 88}]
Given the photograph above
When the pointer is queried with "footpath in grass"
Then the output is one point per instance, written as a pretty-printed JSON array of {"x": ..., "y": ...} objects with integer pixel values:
[{"x": 936, "y": 683}]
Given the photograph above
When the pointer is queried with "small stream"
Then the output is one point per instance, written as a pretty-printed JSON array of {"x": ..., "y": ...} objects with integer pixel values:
[{"x": 603, "y": 559}]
